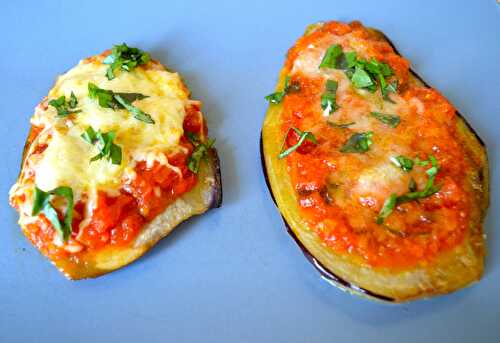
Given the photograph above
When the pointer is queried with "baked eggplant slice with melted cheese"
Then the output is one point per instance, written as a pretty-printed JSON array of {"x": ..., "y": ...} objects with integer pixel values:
[
  {"x": 118, "y": 155},
  {"x": 380, "y": 181}
]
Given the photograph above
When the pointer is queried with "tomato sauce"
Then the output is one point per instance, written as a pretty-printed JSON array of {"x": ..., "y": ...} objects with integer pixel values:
[{"x": 332, "y": 186}]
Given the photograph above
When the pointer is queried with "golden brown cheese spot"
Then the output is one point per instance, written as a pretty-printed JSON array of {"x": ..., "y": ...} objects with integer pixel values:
[{"x": 340, "y": 194}]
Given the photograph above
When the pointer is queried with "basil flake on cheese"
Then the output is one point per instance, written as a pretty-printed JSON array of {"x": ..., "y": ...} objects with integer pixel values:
[
  {"x": 63, "y": 107},
  {"x": 429, "y": 189},
  {"x": 104, "y": 142},
  {"x": 328, "y": 101},
  {"x": 358, "y": 143},
  {"x": 364, "y": 74},
  {"x": 109, "y": 99},
  {"x": 403, "y": 162},
  {"x": 124, "y": 58},
  {"x": 391, "y": 120}
]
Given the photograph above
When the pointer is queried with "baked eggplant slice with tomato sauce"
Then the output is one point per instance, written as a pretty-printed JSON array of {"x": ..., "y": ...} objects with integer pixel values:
[
  {"x": 380, "y": 181},
  {"x": 117, "y": 156}
]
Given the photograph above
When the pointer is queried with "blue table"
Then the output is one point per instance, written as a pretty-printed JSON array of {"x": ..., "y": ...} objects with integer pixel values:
[{"x": 234, "y": 275}]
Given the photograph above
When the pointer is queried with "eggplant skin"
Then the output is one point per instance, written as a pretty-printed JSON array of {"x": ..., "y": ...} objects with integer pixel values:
[{"x": 450, "y": 271}]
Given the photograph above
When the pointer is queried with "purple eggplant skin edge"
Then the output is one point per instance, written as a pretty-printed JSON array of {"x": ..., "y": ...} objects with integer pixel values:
[
  {"x": 217, "y": 194},
  {"x": 326, "y": 274}
]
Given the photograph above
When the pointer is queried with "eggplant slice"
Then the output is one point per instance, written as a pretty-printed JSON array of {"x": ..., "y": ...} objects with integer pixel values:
[
  {"x": 451, "y": 270},
  {"x": 205, "y": 195}
]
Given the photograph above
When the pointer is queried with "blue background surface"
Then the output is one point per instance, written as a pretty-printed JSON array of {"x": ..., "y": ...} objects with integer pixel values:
[{"x": 234, "y": 275}]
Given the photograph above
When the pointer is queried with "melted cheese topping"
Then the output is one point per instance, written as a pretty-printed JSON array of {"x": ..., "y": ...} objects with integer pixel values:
[{"x": 66, "y": 161}]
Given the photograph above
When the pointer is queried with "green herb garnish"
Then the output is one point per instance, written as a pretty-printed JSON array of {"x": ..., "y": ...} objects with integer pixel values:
[
  {"x": 358, "y": 143},
  {"x": 403, "y": 162},
  {"x": 109, "y": 99},
  {"x": 363, "y": 74},
  {"x": 387, "y": 208},
  {"x": 347, "y": 62},
  {"x": 104, "y": 142},
  {"x": 361, "y": 79},
  {"x": 330, "y": 59},
  {"x": 138, "y": 114},
  {"x": 63, "y": 107},
  {"x": 340, "y": 125},
  {"x": 200, "y": 152},
  {"x": 413, "y": 195},
  {"x": 277, "y": 97},
  {"x": 328, "y": 101},
  {"x": 391, "y": 87},
  {"x": 420, "y": 162},
  {"x": 302, "y": 137},
  {"x": 41, "y": 204},
  {"x": 124, "y": 58},
  {"x": 388, "y": 119}
]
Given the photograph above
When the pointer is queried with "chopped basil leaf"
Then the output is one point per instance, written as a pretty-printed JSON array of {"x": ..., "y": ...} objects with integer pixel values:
[
  {"x": 420, "y": 162},
  {"x": 358, "y": 143},
  {"x": 340, "y": 125},
  {"x": 388, "y": 119},
  {"x": 200, "y": 152},
  {"x": 434, "y": 169},
  {"x": 125, "y": 58},
  {"x": 60, "y": 105},
  {"x": 375, "y": 67},
  {"x": 89, "y": 135},
  {"x": 63, "y": 107},
  {"x": 138, "y": 114},
  {"x": 385, "y": 69},
  {"x": 380, "y": 71},
  {"x": 387, "y": 208},
  {"x": 361, "y": 79},
  {"x": 104, "y": 142},
  {"x": 131, "y": 97},
  {"x": 277, "y": 97},
  {"x": 302, "y": 137},
  {"x": 104, "y": 97},
  {"x": 115, "y": 154},
  {"x": 428, "y": 190},
  {"x": 109, "y": 99},
  {"x": 403, "y": 162},
  {"x": 73, "y": 101},
  {"x": 41, "y": 203},
  {"x": 350, "y": 58},
  {"x": 328, "y": 101},
  {"x": 331, "y": 56},
  {"x": 362, "y": 73},
  {"x": 389, "y": 88}
]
